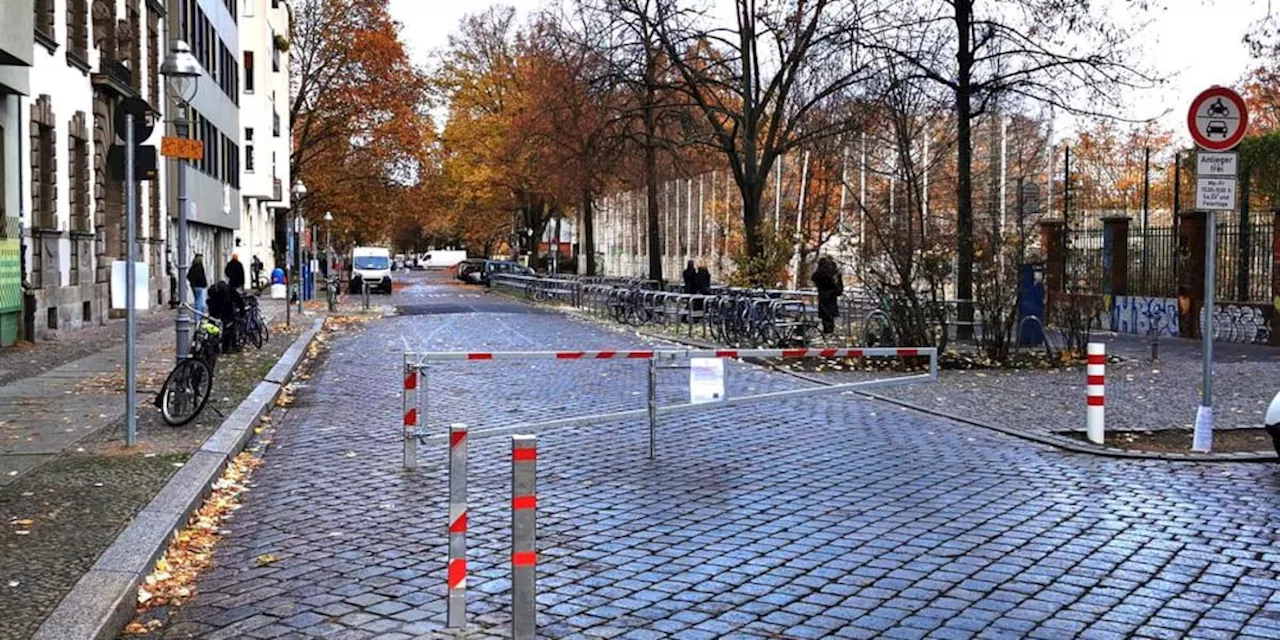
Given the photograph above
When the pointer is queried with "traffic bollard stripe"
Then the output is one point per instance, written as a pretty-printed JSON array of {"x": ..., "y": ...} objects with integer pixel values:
[
  {"x": 411, "y": 381},
  {"x": 1097, "y": 379},
  {"x": 411, "y": 418},
  {"x": 1097, "y": 359},
  {"x": 524, "y": 455},
  {"x": 524, "y": 502},
  {"x": 458, "y": 573},
  {"x": 456, "y": 438},
  {"x": 524, "y": 559},
  {"x": 459, "y": 525},
  {"x": 1097, "y": 401}
]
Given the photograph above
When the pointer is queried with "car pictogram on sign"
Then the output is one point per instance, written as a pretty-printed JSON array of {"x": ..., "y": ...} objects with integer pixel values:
[{"x": 1216, "y": 128}]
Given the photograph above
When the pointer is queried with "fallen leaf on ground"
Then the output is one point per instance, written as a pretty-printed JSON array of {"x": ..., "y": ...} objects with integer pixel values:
[{"x": 266, "y": 559}]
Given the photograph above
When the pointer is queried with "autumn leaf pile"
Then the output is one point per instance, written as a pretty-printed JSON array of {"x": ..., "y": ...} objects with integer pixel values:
[{"x": 172, "y": 582}]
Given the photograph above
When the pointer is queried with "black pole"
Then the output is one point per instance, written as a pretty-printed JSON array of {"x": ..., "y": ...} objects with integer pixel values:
[
  {"x": 1066, "y": 217},
  {"x": 1146, "y": 210},
  {"x": 1177, "y": 187},
  {"x": 1244, "y": 260}
]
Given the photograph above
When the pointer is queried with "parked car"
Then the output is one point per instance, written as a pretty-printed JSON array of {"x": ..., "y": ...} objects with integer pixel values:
[
  {"x": 481, "y": 273},
  {"x": 467, "y": 266}
]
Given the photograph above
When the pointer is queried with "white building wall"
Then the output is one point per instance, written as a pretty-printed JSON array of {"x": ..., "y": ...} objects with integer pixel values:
[
  {"x": 70, "y": 90},
  {"x": 260, "y": 24}
]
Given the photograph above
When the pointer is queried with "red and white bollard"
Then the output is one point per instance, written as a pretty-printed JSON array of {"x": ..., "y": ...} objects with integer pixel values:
[
  {"x": 1097, "y": 372},
  {"x": 524, "y": 552},
  {"x": 412, "y": 380},
  {"x": 457, "y": 603}
]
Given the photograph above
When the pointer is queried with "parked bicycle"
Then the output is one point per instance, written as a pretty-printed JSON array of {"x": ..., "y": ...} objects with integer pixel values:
[
  {"x": 251, "y": 325},
  {"x": 331, "y": 290},
  {"x": 187, "y": 388}
]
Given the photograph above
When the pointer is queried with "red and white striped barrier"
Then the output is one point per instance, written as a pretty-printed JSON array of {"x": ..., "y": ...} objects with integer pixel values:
[
  {"x": 457, "y": 600},
  {"x": 869, "y": 352},
  {"x": 1096, "y": 369}
]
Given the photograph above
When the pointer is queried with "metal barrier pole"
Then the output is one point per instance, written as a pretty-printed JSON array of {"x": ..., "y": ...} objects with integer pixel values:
[
  {"x": 364, "y": 286},
  {"x": 933, "y": 365},
  {"x": 524, "y": 554},
  {"x": 457, "y": 601},
  {"x": 653, "y": 408},
  {"x": 411, "y": 380},
  {"x": 1097, "y": 380}
]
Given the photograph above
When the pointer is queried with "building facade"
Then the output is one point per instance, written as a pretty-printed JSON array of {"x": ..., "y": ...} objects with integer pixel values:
[
  {"x": 89, "y": 56},
  {"x": 211, "y": 28},
  {"x": 17, "y": 42},
  {"x": 265, "y": 129}
]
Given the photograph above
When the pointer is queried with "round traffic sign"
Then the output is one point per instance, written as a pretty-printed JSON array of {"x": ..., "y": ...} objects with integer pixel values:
[{"x": 1218, "y": 119}]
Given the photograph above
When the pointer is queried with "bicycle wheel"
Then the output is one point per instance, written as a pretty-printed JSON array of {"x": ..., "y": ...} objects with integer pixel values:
[
  {"x": 185, "y": 392},
  {"x": 253, "y": 331}
]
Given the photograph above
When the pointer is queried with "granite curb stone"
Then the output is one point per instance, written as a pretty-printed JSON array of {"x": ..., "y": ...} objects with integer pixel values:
[{"x": 102, "y": 601}]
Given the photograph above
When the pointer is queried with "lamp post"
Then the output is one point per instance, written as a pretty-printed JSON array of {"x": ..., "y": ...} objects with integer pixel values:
[
  {"x": 299, "y": 190},
  {"x": 328, "y": 241},
  {"x": 181, "y": 71}
]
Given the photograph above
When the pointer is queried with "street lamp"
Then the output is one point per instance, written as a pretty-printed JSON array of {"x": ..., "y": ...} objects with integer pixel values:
[
  {"x": 182, "y": 71},
  {"x": 299, "y": 190},
  {"x": 328, "y": 241}
]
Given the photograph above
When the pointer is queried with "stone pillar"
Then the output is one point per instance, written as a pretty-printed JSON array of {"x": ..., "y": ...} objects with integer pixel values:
[
  {"x": 1191, "y": 245},
  {"x": 1053, "y": 240},
  {"x": 1115, "y": 255}
]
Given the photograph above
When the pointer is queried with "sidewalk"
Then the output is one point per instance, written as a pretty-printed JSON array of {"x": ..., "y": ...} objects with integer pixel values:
[{"x": 67, "y": 484}]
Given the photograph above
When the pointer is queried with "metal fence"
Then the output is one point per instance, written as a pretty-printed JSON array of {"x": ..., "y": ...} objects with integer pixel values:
[
  {"x": 1153, "y": 263},
  {"x": 1084, "y": 259},
  {"x": 1244, "y": 262}
]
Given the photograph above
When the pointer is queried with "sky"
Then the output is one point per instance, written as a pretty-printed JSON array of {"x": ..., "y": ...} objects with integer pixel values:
[{"x": 1194, "y": 43}]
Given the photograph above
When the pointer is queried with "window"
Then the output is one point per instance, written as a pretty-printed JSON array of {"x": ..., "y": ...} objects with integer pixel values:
[
  {"x": 248, "y": 134},
  {"x": 275, "y": 52},
  {"x": 44, "y": 21},
  {"x": 248, "y": 72},
  {"x": 275, "y": 123},
  {"x": 44, "y": 158},
  {"x": 248, "y": 158},
  {"x": 78, "y": 29},
  {"x": 78, "y": 168}
]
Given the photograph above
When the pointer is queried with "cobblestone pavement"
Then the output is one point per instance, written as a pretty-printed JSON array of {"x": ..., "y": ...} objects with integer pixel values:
[
  {"x": 1141, "y": 394},
  {"x": 830, "y": 516}
]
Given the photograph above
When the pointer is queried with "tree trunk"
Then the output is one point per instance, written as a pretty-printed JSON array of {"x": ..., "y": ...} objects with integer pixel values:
[
  {"x": 651, "y": 186},
  {"x": 751, "y": 197},
  {"x": 587, "y": 241},
  {"x": 964, "y": 169}
]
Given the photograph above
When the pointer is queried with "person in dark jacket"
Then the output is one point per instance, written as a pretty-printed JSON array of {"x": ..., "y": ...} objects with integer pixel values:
[
  {"x": 690, "y": 276},
  {"x": 235, "y": 273},
  {"x": 703, "y": 280},
  {"x": 199, "y": 284},
  {"x": 830, "y": 286}
]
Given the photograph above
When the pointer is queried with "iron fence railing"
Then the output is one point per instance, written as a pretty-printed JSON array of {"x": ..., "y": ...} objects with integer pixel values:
[{"x": 1244, "y": 262}]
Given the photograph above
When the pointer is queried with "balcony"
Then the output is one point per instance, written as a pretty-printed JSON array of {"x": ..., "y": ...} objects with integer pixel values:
[
  {"x": 277, "y": 190},
  {"x": 115, "y": 76}
]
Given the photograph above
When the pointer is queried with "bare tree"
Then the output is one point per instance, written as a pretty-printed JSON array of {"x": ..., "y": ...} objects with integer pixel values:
[
  {"x": 758, "y": 83},
  {"x": 1064, "y": 53}
]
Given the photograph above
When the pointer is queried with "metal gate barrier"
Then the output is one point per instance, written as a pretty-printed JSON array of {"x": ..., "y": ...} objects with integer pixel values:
[{"x": 416, "y": 397}]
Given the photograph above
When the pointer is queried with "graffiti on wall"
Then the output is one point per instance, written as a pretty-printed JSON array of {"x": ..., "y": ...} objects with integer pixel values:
[
  {"x": 1145, "y": 316},
  {"x": 1239, "y": 323}
]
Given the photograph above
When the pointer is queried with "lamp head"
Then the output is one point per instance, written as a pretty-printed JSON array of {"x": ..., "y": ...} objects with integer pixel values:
[
  {"x": 328, "y": 216},
  {"x": 182, "y": 70},
  {"x": 299, "y": 189}
]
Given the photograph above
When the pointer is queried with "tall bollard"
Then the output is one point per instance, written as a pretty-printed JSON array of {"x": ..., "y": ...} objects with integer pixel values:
[
  {"x": 411, "y": 375},
  {"x": 457, "y": 604},
  {"x": 524, "y": 554},
  {"x": 1097, "y": 380},
  {"x": 653, "y": 408}
]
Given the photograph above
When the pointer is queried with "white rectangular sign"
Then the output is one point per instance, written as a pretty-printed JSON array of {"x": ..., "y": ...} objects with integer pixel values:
[
  {"x": 1215, "y": 165},
  {"x": 1216, "y": 194},
  {"x": 706, "y": 380},
  {"x": 141, "y": 276}
]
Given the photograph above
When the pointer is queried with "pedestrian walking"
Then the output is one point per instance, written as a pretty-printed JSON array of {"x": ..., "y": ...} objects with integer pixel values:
[
  {"x": 199, "y": 284},
  {"x": 830, "y": 286},
  {"x": 703, "y": 280},
  {"x": 256, "y": 266},
  {"x": 690, "y": 278},
  {"x": 235, "y": 272}
]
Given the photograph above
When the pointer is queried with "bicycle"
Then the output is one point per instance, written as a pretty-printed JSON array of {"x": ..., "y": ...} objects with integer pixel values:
[
  {"x": 331, "y": 290},
  {"x": 251, "y": 324},
  {"x": 187, "y": 388}
]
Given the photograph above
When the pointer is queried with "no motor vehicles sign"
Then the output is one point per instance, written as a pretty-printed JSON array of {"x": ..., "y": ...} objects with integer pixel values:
[{"x": 1217, "y": 119}]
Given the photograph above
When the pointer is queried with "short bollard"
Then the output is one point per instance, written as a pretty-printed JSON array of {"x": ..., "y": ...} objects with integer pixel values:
[
  {"x": 457, "y": 605},
  {"x": 364, "y": 289},
  {"x": 524, "y": 553},
  {"x": 653, "y": 409},
  {"x": 1096, "y": 369},
  {"x": 411, "y": 390}
]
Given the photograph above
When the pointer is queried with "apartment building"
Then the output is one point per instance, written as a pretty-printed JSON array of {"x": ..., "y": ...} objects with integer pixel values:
[
  {"x": 89, "y": 55},
  {"x": 264, "y": 120},
  {"x": 17, "y": 42},
  {"x": 211, "y": 28}
]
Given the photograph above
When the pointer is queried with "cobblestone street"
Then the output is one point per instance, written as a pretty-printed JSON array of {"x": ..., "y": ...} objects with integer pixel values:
[{"x": 827, "y": 516}]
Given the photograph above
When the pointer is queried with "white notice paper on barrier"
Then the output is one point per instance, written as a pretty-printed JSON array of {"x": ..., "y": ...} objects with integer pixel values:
[{"x": 706, "y": 380}]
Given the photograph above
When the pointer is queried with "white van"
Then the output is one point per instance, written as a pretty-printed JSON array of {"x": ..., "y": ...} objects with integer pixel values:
[
  {"x": 444, "y": 258},
  {"x": 372, "y": 265}
]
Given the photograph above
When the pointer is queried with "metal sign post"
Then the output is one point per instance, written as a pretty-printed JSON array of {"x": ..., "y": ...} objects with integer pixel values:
[
  {"x": 1218, "y": 119},
  {"x": 130, "y": 292}
]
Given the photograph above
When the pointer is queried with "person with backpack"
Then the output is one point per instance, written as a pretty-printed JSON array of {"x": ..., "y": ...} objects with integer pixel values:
[
  {"x": 199, "y": 284},
  {"x": 830, "y": 286}
]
